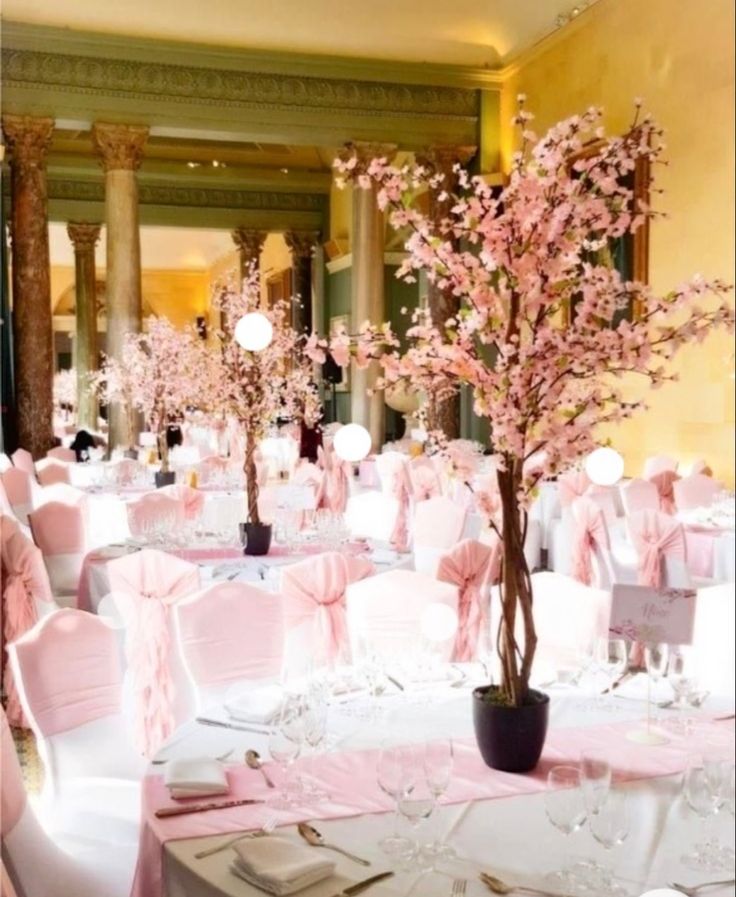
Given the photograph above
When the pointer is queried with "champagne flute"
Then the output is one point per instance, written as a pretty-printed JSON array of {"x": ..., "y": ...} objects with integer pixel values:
[
  {"x": 565, "y": 807},
  {"x": 439, "y": 761},
  {"x": 610, "y": 828},
  {"x": 392, "y": 773},
  {"x": 705, "y": 785},
  {"x": 595, "y": 778},
  {"x": 416, "y": 804}
]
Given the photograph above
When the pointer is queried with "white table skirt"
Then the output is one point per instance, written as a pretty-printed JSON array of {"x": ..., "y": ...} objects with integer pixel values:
[{"x": 510, "y": 837}]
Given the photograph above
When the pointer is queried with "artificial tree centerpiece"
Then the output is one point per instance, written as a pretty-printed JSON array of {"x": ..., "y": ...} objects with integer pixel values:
[
  {"x": 169, "y": 368},
  {"x": 113, "y": 384},
  {"x": 265, "y": 376},
  {"x": 521, "y": 260}
]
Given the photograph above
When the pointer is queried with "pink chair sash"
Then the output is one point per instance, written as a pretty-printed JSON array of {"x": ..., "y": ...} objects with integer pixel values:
[
  {"x": 62, "y": 454},
  {"x": 71, "y": 670},
  {"x": 314, "y": 590},
  {"x": 401, "y": 490},
  {"x": 590, "y": 530},
  {"x": 664, "y": 481},
  {"x": 470, "y": 566},
  {"x": 232, "y": 631},
  {"x": 571, "y": 486},
  {"x": 58, "y": 528},
  {"x": 335, "y": 485},
  {"x": 151, "y": 581},
  {"x": 655, "y": 535},
  {"x": 425, "y": 483},
  {"x": 18, "y": 486},
  {"x": 151, "y": 507},
  {"x": 23, "y": 460},
  {"x": 192, "y": 500},
  {"x": 50, "y": 472},
  {"x": 12, "y": 791}
]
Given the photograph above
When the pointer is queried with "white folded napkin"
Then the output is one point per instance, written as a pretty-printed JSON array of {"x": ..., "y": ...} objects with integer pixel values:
[
  {"x": 279, "y": 865},
  {"x": 257, "y": 705},
  {"x": 384, "y": 556},
  {"x": 195, "y": 777}
]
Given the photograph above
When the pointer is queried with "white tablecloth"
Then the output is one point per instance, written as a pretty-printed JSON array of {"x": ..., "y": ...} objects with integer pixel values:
[{"x": 510, "y": 837}]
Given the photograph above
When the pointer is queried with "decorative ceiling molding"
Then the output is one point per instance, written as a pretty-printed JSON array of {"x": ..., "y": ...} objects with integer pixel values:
[{"x": 168, "y": 90}]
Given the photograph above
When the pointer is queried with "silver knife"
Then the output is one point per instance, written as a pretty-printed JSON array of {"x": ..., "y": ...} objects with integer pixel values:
[
  {"x": 360, "y": 886},
  {"x": 202, "y": 720}
]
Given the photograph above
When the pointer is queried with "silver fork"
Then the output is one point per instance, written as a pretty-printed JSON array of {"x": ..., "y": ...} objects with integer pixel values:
[
  {"x": 458, "y": 887},
  {"x": 268, "y": 826}
]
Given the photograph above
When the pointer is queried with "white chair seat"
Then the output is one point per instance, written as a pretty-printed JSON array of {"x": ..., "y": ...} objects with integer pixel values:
[{"x": 96, "y": 809}]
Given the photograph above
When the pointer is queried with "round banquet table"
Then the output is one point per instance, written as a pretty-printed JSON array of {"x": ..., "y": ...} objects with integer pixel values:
[
  {"x": 510, "y": 837},
  {"x": 711, "y": 544}
]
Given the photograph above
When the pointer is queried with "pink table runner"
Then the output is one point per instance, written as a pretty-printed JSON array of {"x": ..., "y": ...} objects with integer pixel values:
[{"x": 350, "y": 778}]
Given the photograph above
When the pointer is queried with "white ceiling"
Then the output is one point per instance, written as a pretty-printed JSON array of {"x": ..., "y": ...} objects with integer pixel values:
[
  {"x": 179, "y": 248},
  {"x": 462, "y": 32}
]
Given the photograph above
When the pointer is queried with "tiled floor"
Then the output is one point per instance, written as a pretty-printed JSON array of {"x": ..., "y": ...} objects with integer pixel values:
[{"x": 30, "y": 762}]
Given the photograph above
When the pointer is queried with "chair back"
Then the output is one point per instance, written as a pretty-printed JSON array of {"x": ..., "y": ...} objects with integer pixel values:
[
  {"x": 314, "y": 609},
  {"x": 590, "y": 563},
  {"x": 212, "y": 468},
  {"x": 423, "y": 478},
  {"x": 695, "y": 491},
  {"x": 658, "y": 464},
  {"x": 639, "y": 495},
  {"x": 661, "y": 551},
  {"x": 60, "y": 492},
  {"x": 385, "y": 613},
  {"x": 700, "y": 465},
  {"x": 124, "y": 471},
  {"x": 387, "y": 466},
  {"x": 192, "y": 500},
  {"x": 371, "y": 515},
  {"x": 23, "y": 460},
  {"x": 145, "y": 585},
  {"x": 437, "y": 527},
  {"x": 50, "y": 471},
  {"x": 230, "y": 633},
  {"x": 571, "y": 486},
  {"x": 59, "y": 531},
  {"x": 665, "y": 482},
  {"x": 5, "y": 462},
  {"x": 152, "y": 510},
  {"x": 20, "y": 488},
  {"x": 69, "y": 456}
]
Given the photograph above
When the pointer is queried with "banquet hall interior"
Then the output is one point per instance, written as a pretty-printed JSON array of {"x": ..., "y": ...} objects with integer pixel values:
[{"x": 367, "y": 512}]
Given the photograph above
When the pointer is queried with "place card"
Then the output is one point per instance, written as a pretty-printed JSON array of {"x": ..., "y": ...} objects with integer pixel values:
[{"x": 644, "y": 614}]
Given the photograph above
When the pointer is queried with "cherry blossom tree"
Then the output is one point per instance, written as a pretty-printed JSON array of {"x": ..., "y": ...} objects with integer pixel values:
[
  {"x": 259, "y": 388},
  {"x": 529, "y": 253},
  {"x": 65, "y": 392},
  {"x": 113, "y": 383}
]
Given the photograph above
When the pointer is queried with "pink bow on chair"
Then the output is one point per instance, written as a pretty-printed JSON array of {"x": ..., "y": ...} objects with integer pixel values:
[
  {"x": 333, "y": 494},
  {"x": 152, "y": 581},
  {"x": 470, "y": 566},
  {"x": 655, "y": 535},
  {"x": 590, "y": 530},
  {"x": 314, "y": 589},
  {"x": 664, "y": 481},
  {"x": 571, "y": 486},
  {"x": 425, "y": 483},
  {"x": 192, "y": 500},
  {"x": 401, "y": 490}
]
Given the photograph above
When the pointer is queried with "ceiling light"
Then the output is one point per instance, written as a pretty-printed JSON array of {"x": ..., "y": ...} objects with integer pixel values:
[
  {"x": 284, "y": 170},
  {"x": 193, "y": 164}
]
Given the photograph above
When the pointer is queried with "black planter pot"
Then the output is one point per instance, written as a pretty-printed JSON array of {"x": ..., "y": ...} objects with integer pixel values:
[
  {"x": 510, "y": 739},
  {"x": 255, "y": 537},
  {"x": 165, "y": 479}
]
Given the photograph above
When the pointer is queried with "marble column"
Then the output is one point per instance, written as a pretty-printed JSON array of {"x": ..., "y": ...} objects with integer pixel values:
[
  {"x": 84, "y": 238},
  {"x": 250, "y": 243},
  {"x": 368, "y": 301},
  {"x": 28, "y": 140},
  {"x": 302, "y": 245},
  {"x": 121, "y": 150},
  {"x": 442, "y": 159}
]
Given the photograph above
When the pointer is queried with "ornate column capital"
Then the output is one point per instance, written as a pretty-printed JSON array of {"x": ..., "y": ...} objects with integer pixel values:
[
  {"x": 83, "y": 236},
  {"x": 366, "y": 151},
  {"x": 301, "y": 243},
  {"x": 28, "y": 139},
  {"x": 120, "y": 147},
  {"x": 249, "y": 242},
  {"x": 442, "y": 157}
]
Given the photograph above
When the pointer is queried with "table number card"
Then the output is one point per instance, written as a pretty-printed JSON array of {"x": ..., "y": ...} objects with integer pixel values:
[{"x": 644, "y": 614}]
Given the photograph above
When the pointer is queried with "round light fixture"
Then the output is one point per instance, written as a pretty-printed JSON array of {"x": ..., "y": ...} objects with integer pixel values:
[
  {"x": 352, "y": 443},
  {"x": 438, "y": 623},
  {"x": 254, "y": 332},
  {"x": 604, "y": 466}
]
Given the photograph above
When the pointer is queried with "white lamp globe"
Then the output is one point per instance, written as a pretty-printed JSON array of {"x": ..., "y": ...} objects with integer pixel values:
[
  {"x": 438, "y": 623},
  {"x": 604, "y": 466},
  {"x": 254, "y": 332},
  {"x": 352, "y": 443}
]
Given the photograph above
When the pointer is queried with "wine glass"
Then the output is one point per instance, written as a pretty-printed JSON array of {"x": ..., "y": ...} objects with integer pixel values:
[
  {"x": 656, "y": 656},
  {"x": 610, "y": 828},
  {"x": 595, "y": 778},
  {"x": 439, "y": 761},
  {"x": 284, "y": 750},
  {"x": 706, "y": 786},
  {"x": 612, "y": 659},
  {"x": 315, "y": 731},
  {"x": 680, "y": 676},
  {"x": 416, "y": 804},
  {"x": 393, "y": 771},
  {"x": 565, "y": 807}
]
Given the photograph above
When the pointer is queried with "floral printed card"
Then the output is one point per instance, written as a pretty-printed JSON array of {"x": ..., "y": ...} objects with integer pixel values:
[{"x": 644, "y": 614}]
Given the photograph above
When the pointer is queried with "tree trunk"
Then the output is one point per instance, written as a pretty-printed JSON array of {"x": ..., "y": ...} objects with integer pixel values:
[
  {"x": 516, "y": 593},
  {"x": 163, "y": 450},
  {"x": 251, "y": 479}
]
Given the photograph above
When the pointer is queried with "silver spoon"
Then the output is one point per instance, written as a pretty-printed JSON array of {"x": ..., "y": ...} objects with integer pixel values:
[
  {"x": 692, "y": 890},
  {"x": 313, "y": 837},
  {"x": 253, "y": 759}
]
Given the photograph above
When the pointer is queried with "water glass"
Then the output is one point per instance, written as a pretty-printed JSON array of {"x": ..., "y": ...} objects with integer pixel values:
[
  {"x": 439, "y": 762},
  {"x": 565, "y": 807},
  {"x": 706, "y": 788},
  {"x": 394, "y": 771},
  {"x": 610, "y": 828},
  {"x": 595, "y": 777}
]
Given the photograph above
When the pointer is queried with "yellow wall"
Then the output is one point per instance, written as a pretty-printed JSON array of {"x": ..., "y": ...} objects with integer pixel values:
[{"x": 677, "y": 55}]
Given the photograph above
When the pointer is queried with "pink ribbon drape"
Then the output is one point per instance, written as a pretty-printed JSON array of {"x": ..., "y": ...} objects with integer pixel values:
[
  {"x": 425, "y": 483},
  {"x": 315, "y": 590},
  {"x": 152, "y": 581},
  {"x": 590, "y": 530},
  {"x": 470, "y": 566},
  {"x": 655, "y": 535},
  {"x": 333, "y": 495},
  {"x": 664, "y": 481},
  {"x": 192, "y": 500},
  {"x": 401, "y": 490},
  {"x": 571, "y": 486}
]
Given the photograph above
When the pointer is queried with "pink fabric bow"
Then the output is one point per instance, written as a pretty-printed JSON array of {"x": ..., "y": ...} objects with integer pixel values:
[
  {"x": 152, "y": 581},
  {"x": 664, "y": 481},
  {"x": 192, "y": 500},
  {"x": 655, "y": 535},
  {"x": 470, "y": 566},
  {"x": 571, "y": 486},
  {"x": 314, "y": 589},
  {"x": 333, "y": 494},
  {"x": 424, "y": 480},
  {"x": 401, "y": 490},
  {"x": 590, "y": 530}
]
